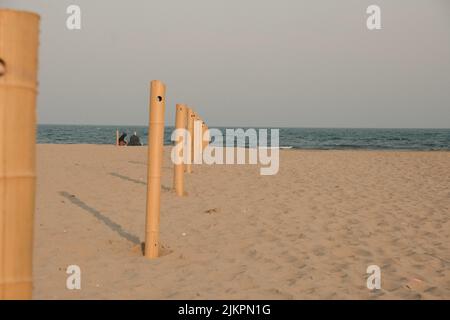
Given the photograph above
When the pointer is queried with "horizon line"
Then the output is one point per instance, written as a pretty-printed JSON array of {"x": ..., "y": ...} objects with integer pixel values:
[{"x": 246, "y": 126}]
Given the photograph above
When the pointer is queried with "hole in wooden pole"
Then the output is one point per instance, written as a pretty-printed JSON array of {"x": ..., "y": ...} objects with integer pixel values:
[{"x": 2, "y": 68}]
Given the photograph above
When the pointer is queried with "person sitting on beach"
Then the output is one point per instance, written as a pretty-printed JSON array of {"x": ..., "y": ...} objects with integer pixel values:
[
  {"x": 122, "y": 141},
  {"x": 134, "y": 140}
]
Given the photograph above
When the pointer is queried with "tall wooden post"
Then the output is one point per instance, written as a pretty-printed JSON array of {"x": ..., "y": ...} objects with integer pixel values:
[
  {"x": 19, "y": 41},
  {"x": 155, "y": 158},
  {"x": 205, "y": 142},
  {"x": 198, "y": 145},
  {"x": 180, "y": 123},
  {"x": 190, "y": 128}
]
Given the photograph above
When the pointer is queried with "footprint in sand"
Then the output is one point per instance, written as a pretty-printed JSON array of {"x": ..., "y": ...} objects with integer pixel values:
[
  {"x": 319, "y": 251},
  {"x": 212, "y": 210},
  {"x": 255, "y": 255},
  {"x": 364, "y": 253},
  {"x": 237, "y": 271},
  {"x": 279, "y": 294}
]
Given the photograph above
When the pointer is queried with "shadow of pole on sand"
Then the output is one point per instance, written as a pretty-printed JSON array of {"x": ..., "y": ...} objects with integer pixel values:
[
  {"x": 98, "y": 215},
  {"x": 145, "y": 164},
  {"x": 127, "y": 178},
  {"x": 135, "y": 180}
]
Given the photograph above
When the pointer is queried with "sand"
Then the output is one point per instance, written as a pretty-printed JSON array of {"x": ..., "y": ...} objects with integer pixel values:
[{"x": 308, "y": 232}]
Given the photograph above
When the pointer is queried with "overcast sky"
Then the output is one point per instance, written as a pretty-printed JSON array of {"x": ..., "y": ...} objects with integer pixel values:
[{"x": 281, "y": 63}]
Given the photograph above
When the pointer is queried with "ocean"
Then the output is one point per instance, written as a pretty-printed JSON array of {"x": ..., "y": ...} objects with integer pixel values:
[{"x": 297, "y": 138}]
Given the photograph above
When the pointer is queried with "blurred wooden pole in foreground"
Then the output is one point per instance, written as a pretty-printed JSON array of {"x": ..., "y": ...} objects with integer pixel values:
[
  {"x": 19, "y": 41},
  {"x": 180, "y": 123},
  {"x": 155, "y": 158}
]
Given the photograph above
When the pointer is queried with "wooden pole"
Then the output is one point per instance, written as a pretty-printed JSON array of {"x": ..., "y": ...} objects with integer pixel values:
[
  {"x": 19, "y": 41},
  {"x": 204, "y": 142},
  {"x": 194, "y": 136},
  {"x": 198, "y": 141},
  {"x": 180, "y": 123},
  {"x": 155, "y": 157},
  {"x": 190, "y": 128}
]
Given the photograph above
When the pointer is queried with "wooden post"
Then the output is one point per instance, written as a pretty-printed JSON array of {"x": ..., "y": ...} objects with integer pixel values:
[
  {"x": 19, "y": 41},
  {"x": 204, "y": 131},
  {"x": 198, "y": 141},
  {"x": 155, "y": 158},
  {"x": 180, "y": 123},
  {"x": 190, "y": 128},
  {"x": 117, "y": 137},
  {"x": 208, "y": 135}
]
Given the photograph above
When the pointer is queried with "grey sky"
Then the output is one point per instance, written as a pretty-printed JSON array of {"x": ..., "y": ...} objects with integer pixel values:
[{"x": 247, "y": 62}]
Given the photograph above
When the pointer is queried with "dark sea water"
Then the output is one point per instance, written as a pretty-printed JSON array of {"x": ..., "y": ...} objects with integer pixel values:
[{"x": 299, "y": 138}]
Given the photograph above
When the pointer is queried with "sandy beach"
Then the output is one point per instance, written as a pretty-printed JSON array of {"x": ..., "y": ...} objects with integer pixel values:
[{"x": 308, "y": 232}]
